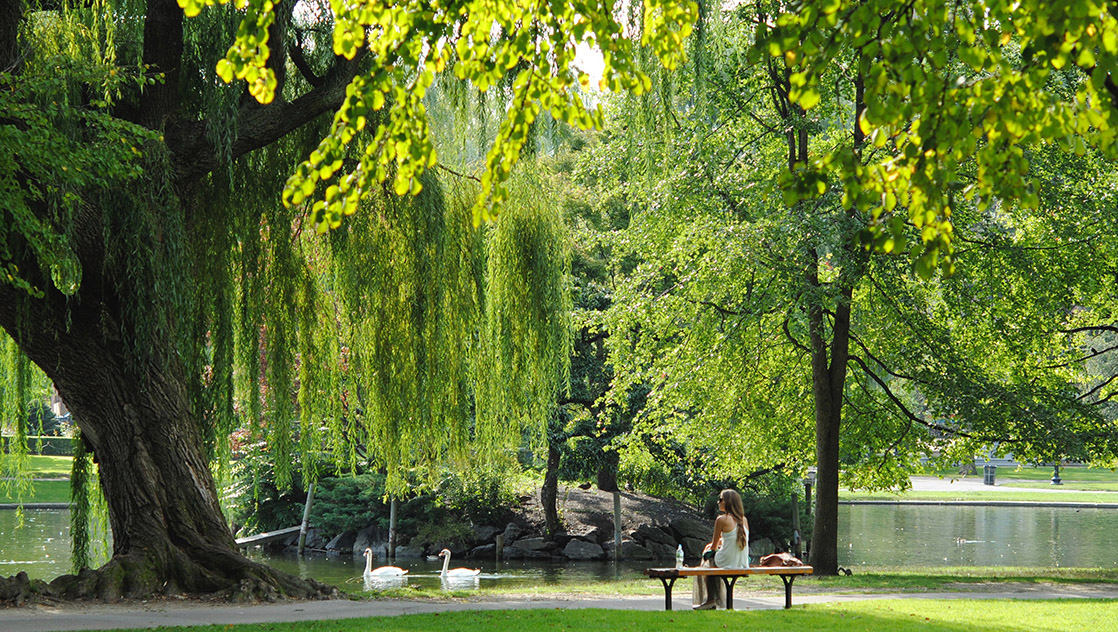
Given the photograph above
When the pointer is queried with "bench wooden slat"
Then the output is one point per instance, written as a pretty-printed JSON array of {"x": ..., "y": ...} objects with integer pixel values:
[
  {"x": 729, "y": 577},
  {"x": 688, "y": 571}
]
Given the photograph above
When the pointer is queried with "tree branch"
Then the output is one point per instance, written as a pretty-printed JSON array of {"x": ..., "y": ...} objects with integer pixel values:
[
  {"x": 795, "y": 343},
  {"x": 195, "y": 155},
  {"x": 452, "y": 172},
  {"x": 1077, "y": 361},
  {"x": 910, "y": 415},
  {"x": 881, "y": 364},
  {"x": 1097, "y": 388}
]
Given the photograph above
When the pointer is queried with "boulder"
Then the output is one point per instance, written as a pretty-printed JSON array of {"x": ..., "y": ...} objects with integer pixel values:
[
  {"x": 582, "y": 550},
  {"x": 660, "y": 551},
  {"x": 314, "y": 539},
  {"x": 484, "y": 551},
  {"x": 630, "y": 550},
  {"x": 693, "y": 547},
  {"x": 691, "y": 528},
  {"x": 512, "y": 532},
  {"x": 516, "y": 553},
  {"x": 407, "y": 552},
  {"x": 485, "y": 533},
  {"x": 531, "y": 544},
  {"x": 560, "y": 539},
  {"x": 647, "y": 533},
  {"x": 369, "y": 538},
  {"x": 342, "y": 542},
  {"x": 594, "y": 534}
]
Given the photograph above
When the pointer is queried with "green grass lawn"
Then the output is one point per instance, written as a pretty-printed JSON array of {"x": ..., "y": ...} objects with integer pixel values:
[
  {"x": 864, "y": 579},
  {"x": 1075, "y": 477},
  {"x": 51, "y": 466},
  {"x": 873, "y": 616},
  {"x": 42, "y": 492}
]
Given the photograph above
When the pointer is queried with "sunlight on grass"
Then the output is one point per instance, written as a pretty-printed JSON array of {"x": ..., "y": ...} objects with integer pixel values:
[
  {"x": 51, "y": 466},
  {"x": 44, "y": 492},
  {"x": 873, "y": 616}
]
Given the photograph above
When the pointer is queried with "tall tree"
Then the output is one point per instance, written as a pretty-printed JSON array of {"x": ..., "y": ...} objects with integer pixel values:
[
  {"x": 145, "y": 256},
  {"x": 753, "y": 304}
]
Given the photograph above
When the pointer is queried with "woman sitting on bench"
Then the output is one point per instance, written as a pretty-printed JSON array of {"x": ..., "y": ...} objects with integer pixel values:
[{"x": 729, "y": 548}]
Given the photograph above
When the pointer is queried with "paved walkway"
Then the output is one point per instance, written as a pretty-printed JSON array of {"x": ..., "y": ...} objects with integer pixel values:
[{"x": 154, "y": 614}]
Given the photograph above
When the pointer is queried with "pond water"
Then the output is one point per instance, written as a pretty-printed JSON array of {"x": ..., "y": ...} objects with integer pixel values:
[
  {"x": 869, "y": 535},
  {"x": 928, "y": 535}
]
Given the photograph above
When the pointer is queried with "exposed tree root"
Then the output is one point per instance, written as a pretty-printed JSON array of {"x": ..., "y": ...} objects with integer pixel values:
[{"x": 131, "y": 577}]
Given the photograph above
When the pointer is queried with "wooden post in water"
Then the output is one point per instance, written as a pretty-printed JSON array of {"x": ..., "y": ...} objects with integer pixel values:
[
  {"x": 392, "y": 529},
  {"x": 617, "y": 524},
  {"x": 500, "y": 546},
  {"x": 306, "y": 518}
]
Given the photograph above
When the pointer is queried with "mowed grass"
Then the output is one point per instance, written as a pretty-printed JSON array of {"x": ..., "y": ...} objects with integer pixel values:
[
  {"x": 1074, "y": 477},
  {"x": 873, "y": 616},
  {"x": 51, "y": 466},
  {"x": 41, "y": 492},
  {"x": 864, "y": 580},
  {"x": 54, "y": 490}
]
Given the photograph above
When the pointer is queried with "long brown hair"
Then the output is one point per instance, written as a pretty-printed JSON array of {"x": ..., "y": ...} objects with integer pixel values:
[{"x": 731, "y": 502}]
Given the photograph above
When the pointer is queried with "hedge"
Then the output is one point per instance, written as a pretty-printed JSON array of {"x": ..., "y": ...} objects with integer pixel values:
[{"x": 49, "y": 446}]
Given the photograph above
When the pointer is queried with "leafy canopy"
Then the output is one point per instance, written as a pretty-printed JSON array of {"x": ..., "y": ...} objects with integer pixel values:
[
  {"x": 946, "y": 82},
  {"x": 413, "y": 41}
]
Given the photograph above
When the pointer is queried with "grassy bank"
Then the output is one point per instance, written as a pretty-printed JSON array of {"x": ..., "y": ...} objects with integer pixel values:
[
  {"x": 56, "y": 487},
  {"x": 864, "y": 580},
  {"x": 872, "y": 616},
  {"x": 43, "y": 492}
]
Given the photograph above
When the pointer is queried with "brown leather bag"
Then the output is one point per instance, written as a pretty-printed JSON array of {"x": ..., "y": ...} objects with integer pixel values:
[{"x": 781, "y": 559}]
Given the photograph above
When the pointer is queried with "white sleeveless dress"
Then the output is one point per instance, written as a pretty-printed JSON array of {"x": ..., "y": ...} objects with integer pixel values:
[{"x": 728, "y": 554}]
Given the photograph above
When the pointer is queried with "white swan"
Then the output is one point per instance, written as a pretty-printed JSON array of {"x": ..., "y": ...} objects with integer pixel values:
[
  {"x": 455, "y": 572},
  {"x": 383, "y": 571}
]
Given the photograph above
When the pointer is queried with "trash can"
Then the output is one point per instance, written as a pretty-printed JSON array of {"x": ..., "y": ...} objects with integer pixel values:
[{"x": 989, "y": 473}]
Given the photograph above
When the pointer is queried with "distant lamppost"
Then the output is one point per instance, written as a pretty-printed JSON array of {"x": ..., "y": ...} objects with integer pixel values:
[
  {"x": 1056, "y": 474},
  {"x": 809, "y": 482}
]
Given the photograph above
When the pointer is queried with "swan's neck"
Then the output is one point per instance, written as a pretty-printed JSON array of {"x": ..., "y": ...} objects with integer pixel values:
[
  {"x": 368, "y": 563},
  {"x": 446, "y": 562}
]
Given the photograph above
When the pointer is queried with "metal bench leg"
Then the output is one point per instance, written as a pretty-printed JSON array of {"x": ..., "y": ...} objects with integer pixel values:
[
  {"x": 729, "y": 582},
  {"x": 788, "y": 579},
  {"x": 667, "y": 591}
]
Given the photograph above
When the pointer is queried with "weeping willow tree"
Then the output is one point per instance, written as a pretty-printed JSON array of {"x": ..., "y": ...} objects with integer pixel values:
[{"x": 150, "y": 270}]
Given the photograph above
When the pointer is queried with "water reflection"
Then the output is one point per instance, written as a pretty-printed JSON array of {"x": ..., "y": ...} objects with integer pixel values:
[
  {"x": 878, "y": 535},
  {"x": 385, "y": 582},
  {"x": 461, "y": 582},
  {"x": 422, "y": 573},
  {"x": 923, "y": 535}
]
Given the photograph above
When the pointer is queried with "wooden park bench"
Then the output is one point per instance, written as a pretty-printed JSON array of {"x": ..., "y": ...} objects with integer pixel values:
[{"x": 729, "y": 577}]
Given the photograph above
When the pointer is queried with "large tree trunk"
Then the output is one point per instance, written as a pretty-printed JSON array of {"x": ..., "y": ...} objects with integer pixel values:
[
  {"x": 828, "y": 381},
  {"x": 169, "y": 535}
]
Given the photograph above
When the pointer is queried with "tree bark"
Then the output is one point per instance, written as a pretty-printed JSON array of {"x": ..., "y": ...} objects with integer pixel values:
[
  {"x": 550, "y": 491},
  {"x": 828, "y": 379},
  {"x": 169, "y": 535}
]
